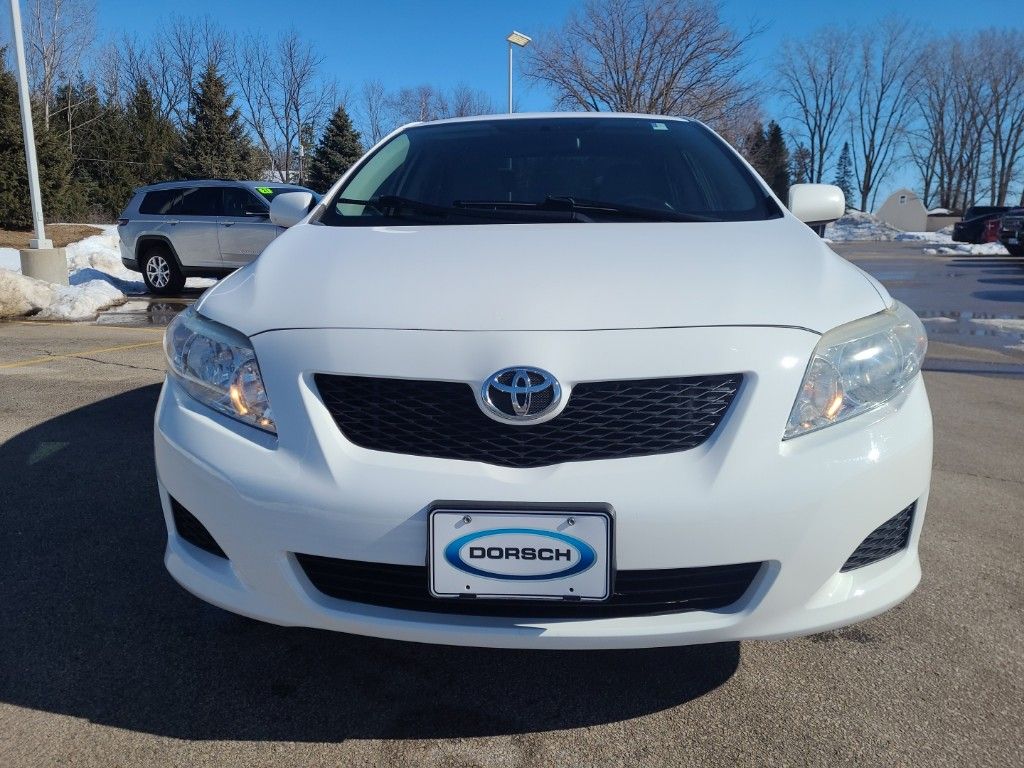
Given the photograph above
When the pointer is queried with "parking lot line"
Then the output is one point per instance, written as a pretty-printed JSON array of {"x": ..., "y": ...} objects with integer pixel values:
[
  {"x": 65, "y": 324},
  {"x": 48, "y": 358}
]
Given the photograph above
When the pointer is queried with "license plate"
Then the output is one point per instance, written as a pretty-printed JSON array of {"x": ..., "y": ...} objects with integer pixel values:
[
  {"x": 535, "y": 555},
  {"x": 1012, "y": 240}
]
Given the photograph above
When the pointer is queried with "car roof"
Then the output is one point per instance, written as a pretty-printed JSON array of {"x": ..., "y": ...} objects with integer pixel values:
[
  {"x": 216, "y": 182},
  {"x": 554, "y": 116}
]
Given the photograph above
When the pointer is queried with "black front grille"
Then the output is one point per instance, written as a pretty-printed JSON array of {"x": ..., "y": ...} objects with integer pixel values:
[
  {"x": 192, "y": 531},
  {"x": 635, "y": 593},
  {"x": 602, "y": 420},
  {"x": 890, "y": 537}
]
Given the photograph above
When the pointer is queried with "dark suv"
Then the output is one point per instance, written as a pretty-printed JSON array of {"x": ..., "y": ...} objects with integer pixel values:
[
  {"x": 1011, "y": 231},
  {"x": 208, "y": 228}
]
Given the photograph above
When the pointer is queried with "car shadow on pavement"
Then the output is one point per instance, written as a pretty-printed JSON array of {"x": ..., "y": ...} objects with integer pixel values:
[{"x": 93, "y": 627}]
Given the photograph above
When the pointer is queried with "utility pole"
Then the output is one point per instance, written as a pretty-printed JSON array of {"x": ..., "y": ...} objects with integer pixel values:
[{"x": 41, "y": 260}]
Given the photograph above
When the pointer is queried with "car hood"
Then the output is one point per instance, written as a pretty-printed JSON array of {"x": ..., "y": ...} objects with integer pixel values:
[{"x": 534, "y": 277}]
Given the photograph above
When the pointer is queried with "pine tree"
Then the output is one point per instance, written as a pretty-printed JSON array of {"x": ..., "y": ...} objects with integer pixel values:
[
  {"x": 215, "y": 144},
  {"x": 754, "y": 146},
  {"x": 51, "y": 152},
  {"x": 800, "y": 164},
  {"x": 154, "y": 140},
  {"x": 844, "y": 172},
  {"x": 338, "y": 150},
  {"x": 765, "y": 149},
  {"x": 776, "y": 161}
]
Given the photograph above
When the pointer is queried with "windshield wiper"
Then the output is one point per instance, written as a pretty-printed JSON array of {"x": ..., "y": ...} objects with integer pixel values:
[
  {"x": 394, "y": 205},
  {"x": 567, "y": 203}
]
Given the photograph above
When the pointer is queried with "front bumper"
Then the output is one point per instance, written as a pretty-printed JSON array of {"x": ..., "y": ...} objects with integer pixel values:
[{"x": 801, "y": 506}]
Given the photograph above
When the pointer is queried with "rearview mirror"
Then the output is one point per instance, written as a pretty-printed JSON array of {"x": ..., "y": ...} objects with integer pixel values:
[
  {"x": 289, "y": 208},
  {"x": 816, "y": 203}
]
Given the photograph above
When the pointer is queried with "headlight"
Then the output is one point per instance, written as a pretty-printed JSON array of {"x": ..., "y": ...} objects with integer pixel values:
[
  {"x": 217, "y": 366},
  {"x": 857, "y": 367}
]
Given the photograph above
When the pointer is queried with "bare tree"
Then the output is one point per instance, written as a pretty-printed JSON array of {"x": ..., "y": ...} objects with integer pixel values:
[
  {"x": 951, "y": 105},
  {"x": 58, "y": 35},
  {"x": 284, "y": 98},
  {"x": 382, "y": 111},
  {"x": 886, "y": 77},
  {"x": 1002, "y": 71},
  {"x": 374, "y": 111},
  {"x": 815, "y": 81},
  {"x": 673, "y": 57},
  {"x": 464, "y": 101},
  {"x": 172, "y": 61}
]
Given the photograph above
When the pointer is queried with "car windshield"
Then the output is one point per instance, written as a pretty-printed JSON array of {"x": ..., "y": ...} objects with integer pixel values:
[{"x": 551, "y": 170}]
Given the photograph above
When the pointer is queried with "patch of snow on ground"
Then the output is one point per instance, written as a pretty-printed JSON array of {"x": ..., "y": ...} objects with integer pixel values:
[
  {"x": 1004, "y": 324},
  {"x": 942, "y": 236},
  {"x": 969, "y": 249},
  {"x": 20, "y": 295},
  {"x": 97, "y": 278}
]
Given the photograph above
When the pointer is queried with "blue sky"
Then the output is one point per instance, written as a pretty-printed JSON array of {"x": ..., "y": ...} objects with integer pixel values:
[{"x": 404, "y": 43}]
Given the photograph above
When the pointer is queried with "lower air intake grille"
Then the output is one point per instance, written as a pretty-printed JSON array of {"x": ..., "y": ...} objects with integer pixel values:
[
  {"x": 602, "y": 420},
  {"x": 636, "y": 593},
  {"x": 890, "y": 537},
  {"x": 194, "y": 532}
]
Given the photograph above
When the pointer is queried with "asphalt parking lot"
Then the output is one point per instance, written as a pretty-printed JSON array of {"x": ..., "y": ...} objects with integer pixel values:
[{"x": 105, "y": 661}]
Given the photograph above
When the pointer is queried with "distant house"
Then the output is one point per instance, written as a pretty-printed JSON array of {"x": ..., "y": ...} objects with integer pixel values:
[{"x": 904, "y": 210}]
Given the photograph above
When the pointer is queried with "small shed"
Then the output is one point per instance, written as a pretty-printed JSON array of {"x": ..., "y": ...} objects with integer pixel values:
[{"x": 904, "y": 210}]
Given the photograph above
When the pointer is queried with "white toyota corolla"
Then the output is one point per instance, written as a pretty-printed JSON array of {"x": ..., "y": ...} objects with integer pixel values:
[{"x": 548, "y": 381}]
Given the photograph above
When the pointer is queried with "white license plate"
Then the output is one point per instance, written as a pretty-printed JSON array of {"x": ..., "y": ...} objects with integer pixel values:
[
  {"x": 540, "y": 555},
  {"x": 1012, "y": 240}
]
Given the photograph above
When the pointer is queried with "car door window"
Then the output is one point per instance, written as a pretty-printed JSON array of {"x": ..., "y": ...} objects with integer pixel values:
[
  {"x": 237, "y": 201},
  {"x": 197, "y": 201}
]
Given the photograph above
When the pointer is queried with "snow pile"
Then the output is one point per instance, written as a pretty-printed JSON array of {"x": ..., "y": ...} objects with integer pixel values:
[
  {"x": 98, "y": 280},
  {"x": 856, "y": 225},
  {"x": 969, "y": 249},
  {"x": 20, "y": 295},
  {"x": 99, "y": 258},
  {"x": 97, "y": 276}
]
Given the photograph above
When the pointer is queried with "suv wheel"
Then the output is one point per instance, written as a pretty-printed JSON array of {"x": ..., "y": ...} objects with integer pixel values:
[
  {"x": 160, "y": 271},
  {"x": 1015, "y": 250}
]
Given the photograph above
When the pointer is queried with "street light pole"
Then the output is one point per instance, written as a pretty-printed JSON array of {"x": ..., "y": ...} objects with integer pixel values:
[
  {"x": 26, "y": 130},
  {"x": 516, "y": 38}
]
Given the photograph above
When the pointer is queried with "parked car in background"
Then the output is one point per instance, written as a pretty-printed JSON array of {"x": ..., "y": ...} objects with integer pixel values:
[
  {"x": 179, "y": 229},
  {"x": 975, "y": 227},
  {"x": 1011, "y": 231}
]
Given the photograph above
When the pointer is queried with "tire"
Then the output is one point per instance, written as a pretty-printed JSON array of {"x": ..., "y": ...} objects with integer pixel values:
[
  {"x": 1015, "y": 250},
  {"x": 160, "y": 271}
]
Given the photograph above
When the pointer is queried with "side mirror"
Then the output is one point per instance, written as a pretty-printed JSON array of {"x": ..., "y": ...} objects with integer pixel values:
[
  {"x": 289, "y": 208},
  {"x": 816, "y": 203}
]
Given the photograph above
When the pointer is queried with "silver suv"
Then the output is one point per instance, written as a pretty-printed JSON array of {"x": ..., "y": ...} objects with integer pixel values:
[{"x": 208, "y": 228}]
